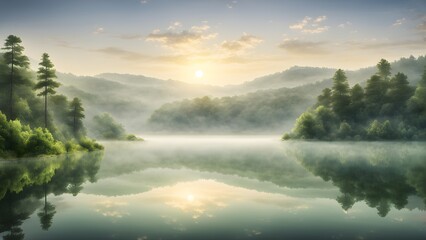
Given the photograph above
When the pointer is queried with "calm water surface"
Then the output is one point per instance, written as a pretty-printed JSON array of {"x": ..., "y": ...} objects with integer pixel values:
[{"x": 228, "y": 187}]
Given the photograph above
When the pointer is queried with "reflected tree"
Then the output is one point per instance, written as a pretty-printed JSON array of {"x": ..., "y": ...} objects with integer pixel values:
[
  {"x": 46, "y": 212},
  {"x": 379, "y": 174},
  {"x": 25, "y": 183}
]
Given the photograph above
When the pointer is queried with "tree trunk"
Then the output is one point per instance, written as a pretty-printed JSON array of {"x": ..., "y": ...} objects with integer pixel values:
[
  {"x": 45, "y": 107},
  {"x": 11, "y": 88}
]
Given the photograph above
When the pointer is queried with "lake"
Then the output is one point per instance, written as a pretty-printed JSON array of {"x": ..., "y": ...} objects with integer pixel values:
[{"x": 219, "y": 187}]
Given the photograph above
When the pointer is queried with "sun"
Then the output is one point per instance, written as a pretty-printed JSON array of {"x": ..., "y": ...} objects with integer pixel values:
[{"x": 199, "y": 73}]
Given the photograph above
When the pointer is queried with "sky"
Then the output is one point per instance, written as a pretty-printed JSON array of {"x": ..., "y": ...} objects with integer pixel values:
[{"x": 215, "y": 42}]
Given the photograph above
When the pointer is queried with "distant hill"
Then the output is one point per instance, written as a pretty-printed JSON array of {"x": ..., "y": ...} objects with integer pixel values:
[
  {"x": 271, "y": 110},
  {"x": 132, "y": 99}
]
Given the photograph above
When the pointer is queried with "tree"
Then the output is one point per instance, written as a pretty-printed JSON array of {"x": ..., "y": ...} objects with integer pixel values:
[
  {"x": 325, "y": 98},
  {"x": 398, "y": 93},
  {"x": 374, "y": 95},
  {"x": 357, "y": 104},
  {"x": 106, "y": 127},
  {"x": 77, "y": 114},
  {"x": 14, "y": 58},
  {"x": 384, "y": 69},
  {"x": 307, "y": 127},
  {"x": 45, "y": 75},
  {"x": 417, "y": 103},
  {"x": 340, "y": 94}
]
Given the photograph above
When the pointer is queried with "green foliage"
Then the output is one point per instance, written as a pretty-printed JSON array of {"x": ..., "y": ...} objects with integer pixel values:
[
  {"x": 132, "y": 137},
  {"x": 325, "y": 98},
  {"x": 106, "y": 127},
  {"x": 375, "y": 95},
  {"x": 340, "y": 98},
  {"x": 18, "y": 140},
  {"x": 384, "y": 69},
  {"x": 76, "y": 115},
  {"x": 307, "y": 127},
  {"x": 41, "y": 142},
  {"x": 90, "y": 144},
  {"x": 387, "y": 109},
  {"x": 24, "y": 137},
  {"x": 259, "y": 111}
]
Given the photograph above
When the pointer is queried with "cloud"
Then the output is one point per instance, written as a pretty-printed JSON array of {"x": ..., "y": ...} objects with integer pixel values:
[
  {"x": 231, "y": 4},
  {"x": 244, "y": 42},
  {"x": 419, "y": 43},
  {"x": 174, "y": 26},
  {"x": 398, "y": 22},
  {"x": 99, "y": 30},
  {"x": 181, "y": 39},
  {"x": 131, "y": 37},
  {"x": 310, "y": 25},
  {"x": 144, "y": 1},
  {"x": 344, "y": 25},
  {"x": 303, "y": 47},
  {"x": 422, "y": 27},
  {"x": 124, "y": 54}
]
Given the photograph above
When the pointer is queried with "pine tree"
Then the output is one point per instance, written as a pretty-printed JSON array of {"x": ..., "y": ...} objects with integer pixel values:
[
  {"x": 340, "y": 98},
  {"x": 76, "y": 115},
  {"x": 398, "y": 93},
  {"x": 374, "y": 95},
  {"x": 384, "y": 69},
  {"x": 357, "y": 104},
  {"x": 45, "y": 75},
  {"x": 325, "y": 98},
  {"x": 15, "y": 59}
]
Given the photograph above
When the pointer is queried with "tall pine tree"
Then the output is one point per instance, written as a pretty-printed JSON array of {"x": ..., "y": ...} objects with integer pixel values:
[
  {"x": 340, "y": 98},
  {"x": 15, "y": 58},
  {"x": 45, "y": 75}
]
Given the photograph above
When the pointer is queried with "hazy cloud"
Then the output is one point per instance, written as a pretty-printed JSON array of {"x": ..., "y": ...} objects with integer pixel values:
[
  {"x": 119, "y": 52},
  {"x": 374, "y": 44},
  {"x": 174, "y": 26},
  {"x": 398, "y": 22},
  {"x": 144, "y": 1},
  {"x": 422, "y": 26},
  {"x": 344, "y": 25},
  {"x": 244, "y": 42},
  {"x": 231, "y": 4},
  {"x": 99, "y": 30},
  {"x": 311, "y": 25},
  {"x": 303, "y": 47},
  {"x": 185, "y": 38},
  {"x": 131, "y": 36}
]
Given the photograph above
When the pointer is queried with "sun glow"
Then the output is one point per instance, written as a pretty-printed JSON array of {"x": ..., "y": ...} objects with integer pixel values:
[
  {"x": 199, "y": 74},
  {"x": 190, "y": 198}
]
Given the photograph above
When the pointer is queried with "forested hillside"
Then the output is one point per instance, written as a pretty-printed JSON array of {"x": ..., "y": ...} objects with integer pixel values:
[
  {"x": 262, "y": 111},
  {"x": 387, "y": 108}
]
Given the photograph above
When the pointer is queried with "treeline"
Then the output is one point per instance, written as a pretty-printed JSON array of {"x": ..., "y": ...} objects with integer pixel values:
[
  {"x": 259, "y": 111},
  {"x": 387, "y": 108},
  {"x": 34, "y": 119}
]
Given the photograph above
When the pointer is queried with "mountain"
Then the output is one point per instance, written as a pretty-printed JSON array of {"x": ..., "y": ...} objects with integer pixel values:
[
  {"x": 292, "y": 77},
  {"x": 132, "y": 99}
]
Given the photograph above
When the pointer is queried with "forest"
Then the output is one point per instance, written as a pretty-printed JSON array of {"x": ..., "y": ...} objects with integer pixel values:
[
  {"x": 387, "y": 108},
  {"x": 34, "y": 119}
]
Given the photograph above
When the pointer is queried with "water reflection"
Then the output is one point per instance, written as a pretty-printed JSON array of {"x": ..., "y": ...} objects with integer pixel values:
[
  {"x": 381, "y": 174},
  {"x": 26, "y": 182}
]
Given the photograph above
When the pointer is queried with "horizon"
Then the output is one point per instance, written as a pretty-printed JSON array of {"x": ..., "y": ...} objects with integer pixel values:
[{"x": 214, "y": 43}]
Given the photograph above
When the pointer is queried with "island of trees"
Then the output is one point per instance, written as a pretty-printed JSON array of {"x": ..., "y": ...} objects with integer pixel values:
[
  {"x": 387, "y": 108},
  {"x": 34, "y": 119}
]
